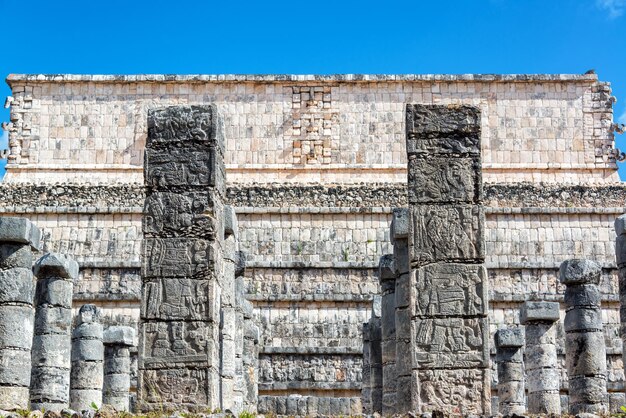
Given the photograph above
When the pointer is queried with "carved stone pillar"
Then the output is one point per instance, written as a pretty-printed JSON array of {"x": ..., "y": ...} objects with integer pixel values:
[
  {"x": 52, "y": 343},
  {"x": 366, "y": 388},
  {"x": 620, "y": 256},
  {"x": 228, "y": 315},
  {"x": 18, "y": 237},
  {"x": 376, "y": 359},
  {"x": 179, "y": 360},
  {"x": 387, "y": 276},
  {"x": 117, "y": 342},
  {"x": 510, "y": 359},
  {"x": 544, "y": 382},
  {"x": 87, "y": 375},
  {"x": 448, "y": 295},
  {"x": 584, "y": 337}
]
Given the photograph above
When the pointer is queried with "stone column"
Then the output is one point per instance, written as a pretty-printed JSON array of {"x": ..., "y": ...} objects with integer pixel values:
[
  {"x": 117, "y": 342},
  {"x": 448, "y": 295},
  {"x": 620, "y": 256},
  {"x": 52, "y": 343},
  {"x": 250, "y": 361},
  {"x": 387, "y": 276},
  {"x": 18, "y": 236},
  {"x": 183, "y": 226},
  {"x": 366, "y": 389},
  {"x": 510, "y": 359},
  {"x": 584, "y": 337},
  {"x": 228, "y": 319},
  {"x": 87, "y": 374},
  {"x": 376, "y": 360},
  {"x": 543, "y": 379},
  {"x": 406, "y": 386}
]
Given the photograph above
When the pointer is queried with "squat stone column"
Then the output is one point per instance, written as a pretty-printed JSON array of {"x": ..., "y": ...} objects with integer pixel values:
[
  {"x": 182, "y": 268},
  {"x": 117, "y": 342},
  {"x": 87, "y": 360},
  {"x": 52, "y": 344},
  {"x": 448, "y": 296},
  {"x": 543, "y": 379},
  {"x": 510, "y": 359},
  {"x": 584, "y": 337},
  {"x": 18, "y": 236},
  {"x": 387, "y": 277}
]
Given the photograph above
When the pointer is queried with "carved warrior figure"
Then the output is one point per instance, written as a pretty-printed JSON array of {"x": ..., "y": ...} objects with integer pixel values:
[
  {"x": 179, "y": 357},
  {"x": 448, "y": 346}
]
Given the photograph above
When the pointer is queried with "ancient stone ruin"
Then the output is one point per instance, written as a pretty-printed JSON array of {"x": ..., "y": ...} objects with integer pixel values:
[{"x": 312, "y": 245}]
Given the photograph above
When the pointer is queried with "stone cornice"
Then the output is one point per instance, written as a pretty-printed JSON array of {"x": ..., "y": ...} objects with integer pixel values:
[{"x": 282, "y": 78}]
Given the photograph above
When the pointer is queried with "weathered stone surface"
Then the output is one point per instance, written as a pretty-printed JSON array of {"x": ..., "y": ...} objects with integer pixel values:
[
  {"x": 533, "y": 311},
  {"x": 177, "y": 257},
  {"x": 19, "y": 230},
  {"x": 446, "y": 289},
  {"x": 183, "y": 168},
  {"x": 181, "y": 342},
  {"x": 184, "y": 388},
  {"x": 201, "y": 126},
  {"x": 120, "y": 335},
  {"x": 450, "y": 129},
  {"x": 461, "y": 391},
  {"x": 86, "y": 377},
  {"x": 15, "y": 256},
  {"x": 451, "y": 342},
  {"x": 178, "y": 298},
  {"x": 399, "y": 224},
  {"x": 56, "y": 265},
  {"x": 446, "y": 233},
  {"x": 584, "y": 339},
  {"x": 177, "y": 214},
  {"x": 442, "y": 179},
  {"x": 510, "y": 337},
  {"x": 580, "y": 271},
  {"x": 17, "y": 286}
]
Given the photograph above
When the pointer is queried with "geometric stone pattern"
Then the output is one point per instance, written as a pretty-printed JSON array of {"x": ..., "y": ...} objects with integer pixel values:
[
  {"x": 448, "y": 284},
  {"x": 179, "y": 358}
]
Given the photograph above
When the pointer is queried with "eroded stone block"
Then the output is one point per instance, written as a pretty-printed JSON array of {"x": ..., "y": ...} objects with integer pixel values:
[{"x": 434, "y": 179}]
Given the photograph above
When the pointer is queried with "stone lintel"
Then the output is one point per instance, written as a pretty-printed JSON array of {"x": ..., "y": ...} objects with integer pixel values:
[
  {"x": 579, "y": 271},
  {"x": 19, "y": 230},
  {"x": 539, "y": 311},
  {"x": 57, "y": 265}
]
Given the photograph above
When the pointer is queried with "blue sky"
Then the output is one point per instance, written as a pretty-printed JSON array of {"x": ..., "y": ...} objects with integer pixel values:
[{"x": 454, "y": 36}]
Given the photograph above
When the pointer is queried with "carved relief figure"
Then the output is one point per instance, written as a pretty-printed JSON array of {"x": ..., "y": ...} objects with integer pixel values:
[{"x": 174, "y": 386}]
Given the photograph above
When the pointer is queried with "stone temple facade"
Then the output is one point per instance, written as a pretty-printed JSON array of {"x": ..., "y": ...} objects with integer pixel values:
[{"x": 314, "y": 167}]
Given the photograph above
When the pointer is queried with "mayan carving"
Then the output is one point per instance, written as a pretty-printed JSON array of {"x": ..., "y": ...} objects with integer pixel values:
[
  {"x": 447, "y": 353},
  {"x": 182, "y": 259},
  {"x": 444, "y": 179}
]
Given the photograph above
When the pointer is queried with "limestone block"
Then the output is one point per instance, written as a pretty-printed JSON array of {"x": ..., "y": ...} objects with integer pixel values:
[
  {"x": 532, "y": 311},
  {"x": 177, "y": 257},
  {"x": 386, "y": 270},
  {"x": 399, "y": 224},
  {"x": 437, "y": 179},
  {"x": 19, "y": 230},
  {"x": 120, "y": 335},
  {"x": 180, "y": 214},
  {"x": 178, "y": 298},
  {"x": 231, "y": 226},
  {"x": 56, "y": 265},
  {"x": 579, "y": 271},
  {"x": 453, "y": 129},
  {"x": 446, "y": 289},
  {"x": 15, "y": 256},
  {"x": 446, "y": 233},
  {"x": 17, "y": 286},
  {"x": 473, "y": 384},
  {"x": 54, "y": 292}
]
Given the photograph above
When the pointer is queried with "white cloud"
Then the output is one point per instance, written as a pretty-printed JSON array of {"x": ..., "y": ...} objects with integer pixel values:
[
  {"x": 622, "y": 119},
  {"x": 615, "y": 8}
]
